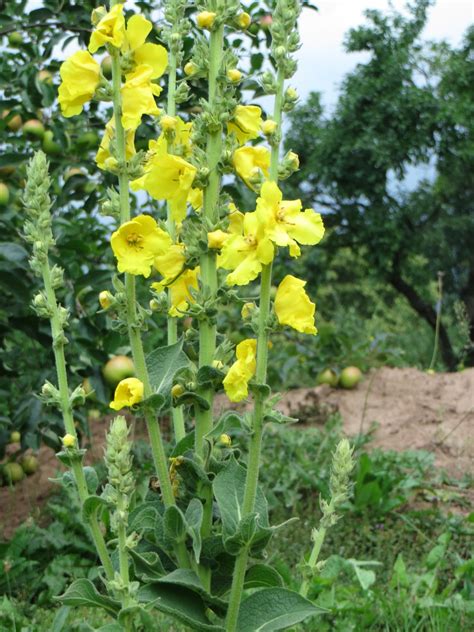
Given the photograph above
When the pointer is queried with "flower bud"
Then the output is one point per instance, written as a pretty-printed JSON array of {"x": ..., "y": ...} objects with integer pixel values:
[
  {"x": 154, "y": 305},
  {"x": 168, "y": 123},
  {"x": 244, "y": 20},
  {"x": 280, "y": 51},
  {"x": 269, "y": 126},
  {"x": 247, "y": 310},
  {"x": 190, "y": 68},
  {"x": 205, "y": 19},
  {"x": 105, "y": 299},
  {"x": 217, "y": 364},
  {"x": 177, "y": 390},
  {"x": 234, "y": 75},
  {"x": 293, "y": 160},
  {"x": 69, "y": 441},
  {"x": 216, "y": 239},
  {"x": 291, "y": 95},
  {"x": 225, "y": 440}
]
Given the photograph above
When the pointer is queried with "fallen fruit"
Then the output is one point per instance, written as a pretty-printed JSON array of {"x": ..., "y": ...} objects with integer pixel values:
[
  {"x": 30, "y": 464},
  {"x": 15, "y": 437},
  {"x": 13, "y": 473},
  {"x": 350, "y": 377},
  {"x": 328, "y": 376}
]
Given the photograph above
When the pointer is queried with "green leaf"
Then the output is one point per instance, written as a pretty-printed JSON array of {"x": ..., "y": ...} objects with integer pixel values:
[
  {"x": 273, "y": 609},
  {"x": 163, "y": 364},
  {"x": 229, "y": 421},
  {"x": 82, "y": 592},
  {"x": 91, "y": 505},
  {"x": 174, "y": 524},
  {"x": 147, "y": 620},
  {"x": 194, "y": 515},
  {"x": 13, "y": 253},
  {"x": 209, "y": 376},
  {"x": 277, "y": 417},
  {"x": 92, "y": 480},
  {"x": 262, "y": 576},
  {"x": 186, "y": 443},
  {"x": 187, "y": 578},
  {"x": 147, "y": 565},
  {"x": 144, "y": 518},
  {"x": 229, "y": 489},
  {"x": 181, "y": 603},
  {"x": 366, "y": 578},
  {"x": 156, "y": 402},
  {"x": 60, "y": 619},
  {"x": 190, "y": 397}
]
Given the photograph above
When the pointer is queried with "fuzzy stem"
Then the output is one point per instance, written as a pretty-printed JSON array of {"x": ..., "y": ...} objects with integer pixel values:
[
  {"x": 313, "y": 558},
  {"x": 122, "y": 549},
  {"x": 156, "y": 441},
  {"x": 253, "y": 464},
  {"x": 66, "y": 409},
  {"x": 172, "y": 323}
]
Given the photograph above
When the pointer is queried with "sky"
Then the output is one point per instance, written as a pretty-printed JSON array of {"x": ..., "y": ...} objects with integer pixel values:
[{"x": 323, "y": 63}]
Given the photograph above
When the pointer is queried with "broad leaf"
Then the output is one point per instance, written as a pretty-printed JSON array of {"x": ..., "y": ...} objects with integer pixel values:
[
  {"x": 174, "y": 524},
  {"x": 91, "y": 505},
  {"x": 163, "y": 364},
  {"x": 228, "y": 422},
  {"x": 144, "y": 518},
  {"x": 262, "y": 576},
  {"x": 147, "y": 565},
  {"x": 194, "y": 514},
  {"x": 272, "y": 609},
  {"x": 82, "y": 592}
]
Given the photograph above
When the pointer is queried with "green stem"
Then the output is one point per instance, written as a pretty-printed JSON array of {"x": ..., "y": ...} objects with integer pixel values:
[
  {"x": 122, "y": 549},
  {"x": 172, "y": 323},
  {"x": 66, "y": 409},
  {"x": 313, "y": 558},
  {"x": 253, "y": 465}
]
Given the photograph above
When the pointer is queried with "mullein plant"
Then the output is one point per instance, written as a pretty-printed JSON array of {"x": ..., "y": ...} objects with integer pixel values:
[{"x": 194, "y": 549}]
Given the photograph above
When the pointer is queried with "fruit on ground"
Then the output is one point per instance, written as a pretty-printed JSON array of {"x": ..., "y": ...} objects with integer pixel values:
[
  {"x": 13, "y": 473},
  {"x": 15, "y": 437},
  {"x": 4, "y": 194},
  {"x": 118, "y": 368},
  {"x": 30, "y": 464},
  {"x": 35, "y": 128},
  {"x": 50, "y": 146},
  {"x": 327, "y": 377},
  {"x": 350, "y": 377}
]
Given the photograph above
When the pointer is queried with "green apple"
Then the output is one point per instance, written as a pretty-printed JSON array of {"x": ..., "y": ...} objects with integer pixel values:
[
  {"x": 118, "y": 368},
  {"x": 15, "y": 437},
  {"x": 13, "y": 473},
  {"x": 350, "y": 377},
  {"x": 14, "y": 122},
  {"x": 50, "y": 146},
  {"x": 4, "y": 194},
  {"x": 15, "y": 38},
  {"x": 33, "y": 127},
  {"x": 328, "y": 376},
  {"x": 29, "y": 464}
]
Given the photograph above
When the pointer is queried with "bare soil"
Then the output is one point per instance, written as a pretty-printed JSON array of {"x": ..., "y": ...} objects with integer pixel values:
[{"x": 412, "y": 410}]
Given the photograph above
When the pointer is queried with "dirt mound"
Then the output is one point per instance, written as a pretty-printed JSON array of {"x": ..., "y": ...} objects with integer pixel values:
[{"x": 412, "y": 410}]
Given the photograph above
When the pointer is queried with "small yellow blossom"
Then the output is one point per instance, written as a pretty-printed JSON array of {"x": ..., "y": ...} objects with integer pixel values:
[
  {"x": 168, "y": 177},
  {"x": 234, "y": 75},
  {"x": 127, "y": 393},
  {"x": 246, "y": 253},
  {"x": 179, "y": 290},
  {"x": 105, "y": 299},
  {"x": 225, "y": 440},
  {"x": 247, "y": 309},
  {"x": 245, "y": 123},
  {"x": 293, "y": 306},
  {"x": 110, "y": 30},
  {"x": 190, "y": 68},
  {"x": 80, "y": 75},
  {"x": 244, "y": 20},
  {"x": 68, "y": 441},
  {"x": 216, "y": 239},
  {"x": 249, "y": 162},
  {"x": 205, "y": 19},
  {"x": 269, "y": 126},
  {"x": 137, "y": 243},
  {"x": 177, "y": 390},
  {"x": 145, "y": 53},
  {"x": 168, "y": 123},
  {"x": 286, "y": 224},
  {"x": 138, "y": 94},
  {"x": 103, "y": 157},
  {"x": 241, "y": 372}
]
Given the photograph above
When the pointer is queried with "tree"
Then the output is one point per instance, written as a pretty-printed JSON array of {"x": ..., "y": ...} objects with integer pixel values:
[{"x": 408, "y": 105}]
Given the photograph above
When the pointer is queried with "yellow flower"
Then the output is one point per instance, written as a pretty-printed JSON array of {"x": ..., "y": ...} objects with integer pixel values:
[
  {"x": 168, "y": 123},
  {"x": 137, "y": 243},
  {"x": 170, "y": 263},
  {"x": 244, "y": 20},
  {"x": 286, "y": 224},
  {"x": 196, "y": 198},
  {"x": 246, "y": 253},
  {"x": 293, "y": 307},
  {"x": 240, "y": 373},
  {"x": 269, "y": 126},
  {"x": 205, "y": 19},
  {"x": 249, "y": 161},
  {"x": 68, "y": 441},
  {"x": 105, "y": 299},
  {"x": 127, "y": 393},
  {"x": 110, "y": 30},
  {"x": 153, "y": 55},
  {"x": 138, "y": 96},
  {"x": 80, "y": 75},
  {"x": 168, "y": 177},
  {"x": 216, "y": 239},
  {"x": 103, "y": 157},
  {"x": 245, "y": 123},
  {"x": 179, "y": 291},
  {"x": 234, "y": 75}
]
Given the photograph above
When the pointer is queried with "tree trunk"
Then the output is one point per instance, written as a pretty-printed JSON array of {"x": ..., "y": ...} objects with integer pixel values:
[{"x": 427, "y": 313}]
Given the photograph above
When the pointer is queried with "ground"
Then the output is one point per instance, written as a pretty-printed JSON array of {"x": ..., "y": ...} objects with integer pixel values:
[{"x": 412, "y": 410}]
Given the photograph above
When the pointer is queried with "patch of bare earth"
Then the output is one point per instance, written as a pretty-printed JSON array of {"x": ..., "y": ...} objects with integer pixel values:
[{"x": 412, "y": 410}]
